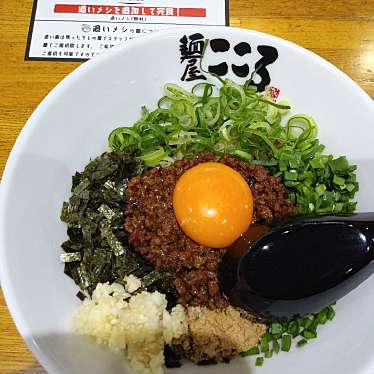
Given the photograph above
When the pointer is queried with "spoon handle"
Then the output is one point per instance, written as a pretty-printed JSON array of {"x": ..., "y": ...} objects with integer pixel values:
[{"x": 366, "y": 218}]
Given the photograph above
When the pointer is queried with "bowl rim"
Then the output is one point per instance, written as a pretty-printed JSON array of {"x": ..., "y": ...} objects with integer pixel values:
[{"x": 18, "y": 316}]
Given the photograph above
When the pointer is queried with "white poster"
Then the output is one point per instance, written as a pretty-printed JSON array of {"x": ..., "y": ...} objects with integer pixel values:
[{"x": 79, "y": 30}]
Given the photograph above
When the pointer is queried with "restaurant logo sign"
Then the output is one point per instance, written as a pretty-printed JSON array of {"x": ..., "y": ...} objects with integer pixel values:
[{"x": 193, "y": 49}]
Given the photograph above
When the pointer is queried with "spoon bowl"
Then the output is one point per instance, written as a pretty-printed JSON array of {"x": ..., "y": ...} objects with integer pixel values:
[{"x": 301, "y": 266}]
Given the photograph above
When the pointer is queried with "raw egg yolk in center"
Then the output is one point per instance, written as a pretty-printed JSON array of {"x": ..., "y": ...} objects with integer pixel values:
[{"x": 213, "y": 204}]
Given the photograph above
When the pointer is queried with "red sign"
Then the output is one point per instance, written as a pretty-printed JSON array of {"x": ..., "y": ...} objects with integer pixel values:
[
  {"x": 130, "y": 10},
  {"x": 274, "y": 92}
]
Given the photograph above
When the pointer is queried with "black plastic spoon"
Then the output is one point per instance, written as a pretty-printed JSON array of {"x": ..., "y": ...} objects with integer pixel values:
[{"x": 300, "y": 266}]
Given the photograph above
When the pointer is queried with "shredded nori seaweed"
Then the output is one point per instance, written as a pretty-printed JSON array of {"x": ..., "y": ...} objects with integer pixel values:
[
  {"x": 98, "y": 250},
  {"x": 172, "y": 357}
]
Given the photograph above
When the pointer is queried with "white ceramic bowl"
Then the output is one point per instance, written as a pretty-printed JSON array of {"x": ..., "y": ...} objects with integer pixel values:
[{"x": 72, "y": 124}]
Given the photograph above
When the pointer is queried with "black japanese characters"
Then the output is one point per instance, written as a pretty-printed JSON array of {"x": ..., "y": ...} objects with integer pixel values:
[{"x": 192, "y": 50}]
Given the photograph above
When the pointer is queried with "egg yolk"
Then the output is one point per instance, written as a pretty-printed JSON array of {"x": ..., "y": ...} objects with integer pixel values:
[{"x": 213, "y": 204}]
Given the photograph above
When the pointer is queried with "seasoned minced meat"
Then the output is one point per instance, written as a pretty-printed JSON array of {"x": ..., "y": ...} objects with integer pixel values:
[{"x": 155, "y": 233}]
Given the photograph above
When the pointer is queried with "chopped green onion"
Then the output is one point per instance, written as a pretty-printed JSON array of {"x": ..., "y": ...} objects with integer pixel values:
[
  {"x": 264, "y": 344},
  {"x": 242, "y": 154},
  {"x": 330, "y": 313},
  {"x": 293, "y": 328},
  {"x": 322, "y": 316},
  {"x": 276, "y": 328},
  {"x": 320, "y": 189},
  {"x": 276, "y": 346},
  {"x": 290, "y": 175},
  {"x": 317, "y": 163},
  {"x": 309, "y": 334},
  {"x": 286, "y": 343},
  {"x": 338, "y": 180},
  {"x": 272, "y": 103},
  {"x": 269, "y": 353},
  {"x": 313, "y": 326},
  {"x": 280, "y": 332},
  {"x": 251, "y": 352},
  {"x": 259, "y": 361},
  {"x": 302, "y": 342},
  {"x": 339, "y": 164},
  {"x": 307, "y": 322}
]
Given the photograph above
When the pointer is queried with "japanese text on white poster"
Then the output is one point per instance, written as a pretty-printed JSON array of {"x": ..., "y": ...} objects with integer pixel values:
[{"x": 80, "y": 30}]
